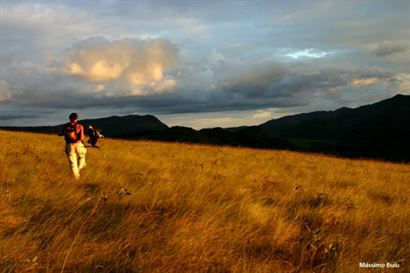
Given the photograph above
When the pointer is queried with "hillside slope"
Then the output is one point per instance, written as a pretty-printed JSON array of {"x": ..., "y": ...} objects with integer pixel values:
[
  {"x": 344, "y": 122},
  {"x": 379, "y": 130},
  {"x": 197, "y": 208}
]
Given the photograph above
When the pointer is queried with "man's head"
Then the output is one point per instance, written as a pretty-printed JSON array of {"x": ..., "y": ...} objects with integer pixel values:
[{"x": 73, "y": 117}]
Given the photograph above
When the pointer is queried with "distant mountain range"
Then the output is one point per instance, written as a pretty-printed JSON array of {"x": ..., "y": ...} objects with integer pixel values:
[{"x": 379, "y": 130}]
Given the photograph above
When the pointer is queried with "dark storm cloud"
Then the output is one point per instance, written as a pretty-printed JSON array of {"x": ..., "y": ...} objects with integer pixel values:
[
  {"x": 25, "y": 114},
  {"x": 248, "y": 87},
  {"x": 9, "y": 117},
  {"x": 162, "y": 104}
]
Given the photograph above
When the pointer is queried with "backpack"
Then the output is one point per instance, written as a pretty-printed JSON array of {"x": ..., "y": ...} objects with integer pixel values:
[{"x": 69, "y": 133}]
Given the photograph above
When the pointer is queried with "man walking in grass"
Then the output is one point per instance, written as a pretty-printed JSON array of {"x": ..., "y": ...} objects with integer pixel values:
[{"x": 73, "y": 133}]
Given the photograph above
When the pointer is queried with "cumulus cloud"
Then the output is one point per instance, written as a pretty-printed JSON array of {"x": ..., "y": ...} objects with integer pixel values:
[{"x": 139, "y": 65}]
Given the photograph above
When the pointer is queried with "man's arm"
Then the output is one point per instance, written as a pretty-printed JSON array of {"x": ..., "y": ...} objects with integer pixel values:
[{"x": 82, "y": 133}]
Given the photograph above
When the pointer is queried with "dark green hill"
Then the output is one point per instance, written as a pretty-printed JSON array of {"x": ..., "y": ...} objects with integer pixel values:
[
  {"x": 377, "y": 130},
  {"x": 126, "y": 126},
  {"x": 252, "y": 137},
  {"x": 114, "y": 126}
]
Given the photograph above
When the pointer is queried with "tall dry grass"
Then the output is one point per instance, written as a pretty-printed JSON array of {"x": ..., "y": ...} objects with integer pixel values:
[{"x": 197, "y": 208}]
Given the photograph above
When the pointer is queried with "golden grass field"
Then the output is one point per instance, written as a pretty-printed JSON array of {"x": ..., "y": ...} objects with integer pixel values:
[{"x": 197, "y": 208}]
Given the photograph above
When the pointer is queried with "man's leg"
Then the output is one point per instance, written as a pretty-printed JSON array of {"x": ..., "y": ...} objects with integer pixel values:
[
  {"x": 72, "y": 160},
  {"x": 94, "y": 143},
  {"x": 81, "y": 151}
]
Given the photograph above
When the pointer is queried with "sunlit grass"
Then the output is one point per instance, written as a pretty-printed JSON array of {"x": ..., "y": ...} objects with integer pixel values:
[{"x": 196, "y": 208}]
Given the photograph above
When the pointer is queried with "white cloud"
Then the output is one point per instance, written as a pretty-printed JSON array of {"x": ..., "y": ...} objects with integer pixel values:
[
  {"x": 307, "y": 53},
  {"x": 139, "y": 66}
]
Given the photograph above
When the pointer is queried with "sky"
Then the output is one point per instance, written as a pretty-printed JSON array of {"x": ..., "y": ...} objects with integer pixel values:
[{"x": 198, "y": 63}]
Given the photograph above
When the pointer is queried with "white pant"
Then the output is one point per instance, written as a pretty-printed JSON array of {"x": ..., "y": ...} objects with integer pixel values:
[{"x": 73, "y": 150}]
